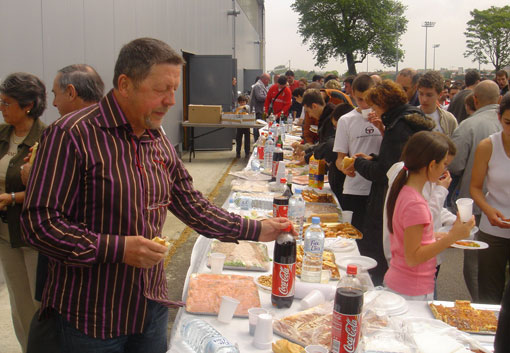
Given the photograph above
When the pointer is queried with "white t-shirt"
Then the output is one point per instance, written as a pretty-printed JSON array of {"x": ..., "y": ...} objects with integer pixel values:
[
  {"x": 435, "y": 116},
  {"x": 355, "y": 134}
]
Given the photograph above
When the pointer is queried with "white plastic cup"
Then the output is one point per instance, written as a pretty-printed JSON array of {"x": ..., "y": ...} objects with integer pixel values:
[
  {"x": 263, "y": 332},
  {"x": 347, "y": 216},
  {"x": 465, "y": 208},
  {"x": 227, "y": 309},
  {"x": 253, "y": 316},
  {"x": 313, "y": 298},
  {"x": 217, "y": 260},
  {"x": 315, "y": 348}
]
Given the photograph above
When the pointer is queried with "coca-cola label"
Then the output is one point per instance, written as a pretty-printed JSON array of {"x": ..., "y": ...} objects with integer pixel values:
[
  {"x": 284, "y": 276},
  {"x": 280, "y": 210},
  {"x": 274, "y": 170},
  {"x": 345, "y": 332}
]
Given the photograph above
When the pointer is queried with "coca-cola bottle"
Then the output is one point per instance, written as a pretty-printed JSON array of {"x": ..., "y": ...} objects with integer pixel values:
[
  {"x": 346, "y": 323},
  {"x": 284, "y": 269}
]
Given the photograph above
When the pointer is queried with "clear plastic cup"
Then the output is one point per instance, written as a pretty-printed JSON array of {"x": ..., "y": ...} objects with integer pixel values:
[
  {"x": 228, "y": 307},
  {"x": 347, "y": 216},
  {"x": 263, "y": 332},
  {"x": 465, "y": 208},
  {"x": 217, "y": 260},
  {"x": 253, "y": 316},
  {"x": 312, "y": 299}
]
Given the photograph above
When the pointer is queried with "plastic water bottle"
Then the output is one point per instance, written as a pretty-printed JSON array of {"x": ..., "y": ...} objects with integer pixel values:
[
  {"x": 268, "y": 152},
  {"x": 283, "y": 128},
  {"x": 297, "y": 212},
  {"x": 203, "y": 338},
  {"x": 290, "y": 124},
  {"x": 313, "y": 248}
]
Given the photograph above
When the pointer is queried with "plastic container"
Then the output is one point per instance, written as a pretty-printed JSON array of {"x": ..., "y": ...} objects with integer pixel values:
[
  {"x": 297, "y": 212},
  {"x": 346, "y": 321},
  {"x": 316, "y": 173},
  {"x": 277, "y": 157},
  {"x": 313, "y": 249},
  {"x": 203, "y": 338},
  {"x": 268, "y": 153},
  {"x": 290, "y": 124}
]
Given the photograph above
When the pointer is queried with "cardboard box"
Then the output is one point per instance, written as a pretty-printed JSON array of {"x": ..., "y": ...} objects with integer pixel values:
[{"x": 206, "y": 114}]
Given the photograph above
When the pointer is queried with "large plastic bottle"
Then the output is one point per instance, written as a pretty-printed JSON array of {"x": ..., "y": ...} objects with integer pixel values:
[
  {"x": 297, "y": 212},
  {"x": 203, "y": 338},
  {"x": 346, "y": 322},
  {"x": 313, "y": 248},
  {"x": 284, "y": 270},
  {"x": 268, "y": 153},
  {"x": 277, "y": 157},
  {"x": 290, "y": 124}
]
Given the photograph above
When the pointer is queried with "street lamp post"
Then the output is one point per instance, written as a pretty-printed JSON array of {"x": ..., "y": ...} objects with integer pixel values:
[
  {"x": 427, "y": 24},
  {"x": 434, "y": 46}
]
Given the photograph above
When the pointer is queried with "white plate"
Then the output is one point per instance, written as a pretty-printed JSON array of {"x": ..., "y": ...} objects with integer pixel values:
[
  {"x": 339, "y": 244},
  {"x": 380, "y": 300},
  {"x": 363, "y": 262},
  {"x": 482, "y": 244},
  {"x": 261, "y": 285}
]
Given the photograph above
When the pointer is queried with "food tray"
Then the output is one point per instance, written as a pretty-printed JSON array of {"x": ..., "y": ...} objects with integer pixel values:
[
  {"x": 303, "y": 179},
  {"x": 327, "y": 211},
  {"x": 336, "y": 229},
  {"x": 205, "y": 291},
  {"x": 494, "y": 308},
  {"x": 245, "y": 256},
  {"x": 311, "y": 326}
]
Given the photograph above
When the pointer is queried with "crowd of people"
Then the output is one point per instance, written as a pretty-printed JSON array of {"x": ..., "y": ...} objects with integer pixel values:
[{"x": 399, "y": 154}]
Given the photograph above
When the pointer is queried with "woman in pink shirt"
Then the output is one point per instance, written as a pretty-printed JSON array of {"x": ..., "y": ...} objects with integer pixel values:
[{"x": 413, "y": 244}]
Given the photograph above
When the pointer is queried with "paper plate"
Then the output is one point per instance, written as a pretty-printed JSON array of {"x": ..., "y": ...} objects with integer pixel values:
[
  {"x": 339, "y": 244},
  {"x": 381, "y": 300},
  {"x": 481, "y": 245},
  {"x": 363, "y": 262}
]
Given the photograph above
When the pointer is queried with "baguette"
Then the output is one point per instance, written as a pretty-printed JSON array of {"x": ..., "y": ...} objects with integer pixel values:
[
  {"x": 161, "y": 241},
  {"x": 34, "y": 151}
]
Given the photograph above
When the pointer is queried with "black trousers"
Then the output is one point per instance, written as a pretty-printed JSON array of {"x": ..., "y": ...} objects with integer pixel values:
[
  {"x": 358, "y": 205},
  {"x": 239, "y": 139}
]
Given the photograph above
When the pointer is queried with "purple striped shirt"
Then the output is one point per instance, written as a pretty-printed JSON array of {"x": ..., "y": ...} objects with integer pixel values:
[{"x": 92, "y": 184}]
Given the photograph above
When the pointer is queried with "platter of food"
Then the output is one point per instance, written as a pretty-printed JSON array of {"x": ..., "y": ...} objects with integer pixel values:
[
  {"x": 470, "y": 245},
  {"x": 247, "y": 255},
  {"x": 328, "y": 262},
  {"x": 303, "y": 179},
  {"x": 205, "y": 291},
  {"x": 466, "y": 316},
  {"x": 265, "y": 282},
  {"x": 311, "y": 195},
  {"x": 336, "y": 229},
  {"x": 311, "y": 326}
]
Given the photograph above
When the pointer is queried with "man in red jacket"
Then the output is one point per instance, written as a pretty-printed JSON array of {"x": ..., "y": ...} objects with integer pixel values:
[
  {"x": 279, "y": 97},
  {"x": 293, "y": 84}
]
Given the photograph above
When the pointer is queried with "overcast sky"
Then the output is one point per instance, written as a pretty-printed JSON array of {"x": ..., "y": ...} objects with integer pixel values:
[{"x": 283, "y": 43}]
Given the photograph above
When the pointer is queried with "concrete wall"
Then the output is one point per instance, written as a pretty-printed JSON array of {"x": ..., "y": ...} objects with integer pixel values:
[{"x": 42, "y": 36}]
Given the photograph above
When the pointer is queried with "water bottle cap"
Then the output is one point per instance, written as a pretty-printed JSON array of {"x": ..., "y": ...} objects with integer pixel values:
[
  {"x": 283, "y": 180},
  {"x": 352, "y": 269},
  {"x": 297, "y": 191},
  {"x": 316, "y": 220}
]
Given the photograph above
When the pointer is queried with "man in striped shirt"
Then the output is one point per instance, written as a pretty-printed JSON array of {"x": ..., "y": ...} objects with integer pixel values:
[{"x": 102, "y": 183}]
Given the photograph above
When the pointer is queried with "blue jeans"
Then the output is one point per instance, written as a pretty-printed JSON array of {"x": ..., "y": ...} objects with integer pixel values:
[{"x": 153, "y": 339}]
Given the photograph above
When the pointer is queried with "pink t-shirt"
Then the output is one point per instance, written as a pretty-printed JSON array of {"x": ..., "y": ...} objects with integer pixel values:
[{"x": 410, "y": 209}]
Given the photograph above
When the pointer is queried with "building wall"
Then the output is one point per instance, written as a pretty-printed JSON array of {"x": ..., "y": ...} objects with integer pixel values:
[{"x": 42, "y": 36}]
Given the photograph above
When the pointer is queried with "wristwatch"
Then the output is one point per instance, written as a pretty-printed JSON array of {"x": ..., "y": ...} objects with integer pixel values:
[{"x": 13, "y": 196}]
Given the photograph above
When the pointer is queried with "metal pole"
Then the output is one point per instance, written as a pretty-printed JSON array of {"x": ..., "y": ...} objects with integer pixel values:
[
  {"x": 434, "y": 47},
  {"x": 426, "y": 30}
]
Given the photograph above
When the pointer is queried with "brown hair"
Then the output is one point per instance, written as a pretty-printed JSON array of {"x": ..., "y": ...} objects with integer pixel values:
[
  {"x": 312, "y": 96},
  {"x": 421, "y": 149},
  {"x": 432, "y": 79},
  {"x": 386, "y": 95}
]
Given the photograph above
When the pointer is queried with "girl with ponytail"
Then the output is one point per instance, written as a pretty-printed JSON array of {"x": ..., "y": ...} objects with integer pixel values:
[{"x": 413, "y": 244}]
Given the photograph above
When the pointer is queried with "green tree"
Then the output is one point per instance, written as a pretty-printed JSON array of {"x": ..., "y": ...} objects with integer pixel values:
[
  {"x": 350, "y": 30},
  {"x": 488, "y": 34}
]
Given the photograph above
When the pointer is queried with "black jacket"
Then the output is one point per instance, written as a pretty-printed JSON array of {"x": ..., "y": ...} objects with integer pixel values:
[{"x": 401, "y": 123}]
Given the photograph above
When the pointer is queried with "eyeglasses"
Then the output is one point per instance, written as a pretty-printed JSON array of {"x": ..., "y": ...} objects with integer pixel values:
[{"x": 4, "y": 103}]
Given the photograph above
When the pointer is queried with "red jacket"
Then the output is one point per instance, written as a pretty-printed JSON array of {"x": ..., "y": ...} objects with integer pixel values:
[
  {"x": 281, "y": 103},
  {"x": 294, "y": 85}
]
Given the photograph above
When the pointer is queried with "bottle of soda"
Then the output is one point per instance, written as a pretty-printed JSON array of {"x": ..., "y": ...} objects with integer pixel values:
[
  {"x": 346, "y": 322},
  {"x": 277, "y": 157},
  {"x": 281, "y": 201},
  {"x": 284, "y": 269}
]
